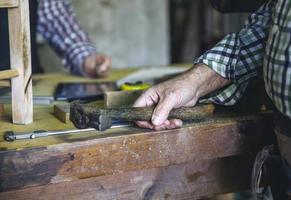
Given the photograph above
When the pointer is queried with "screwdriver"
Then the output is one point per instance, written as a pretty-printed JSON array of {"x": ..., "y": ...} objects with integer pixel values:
[{"x": 11, "y": 136}]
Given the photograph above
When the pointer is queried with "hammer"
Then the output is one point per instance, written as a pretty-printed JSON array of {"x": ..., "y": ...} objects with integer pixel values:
[{"x": 88, "y": 116}]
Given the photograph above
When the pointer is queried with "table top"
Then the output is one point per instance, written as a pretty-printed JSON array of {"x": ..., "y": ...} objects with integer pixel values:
[
  {"x": 44, "y": 119},
  {"x": 69, "y": 161}
]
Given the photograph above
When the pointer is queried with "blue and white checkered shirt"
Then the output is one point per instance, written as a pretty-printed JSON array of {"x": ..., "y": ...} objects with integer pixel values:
[
  {"x": 265, "y": 41},
  {"x": 58, "y": 25}
]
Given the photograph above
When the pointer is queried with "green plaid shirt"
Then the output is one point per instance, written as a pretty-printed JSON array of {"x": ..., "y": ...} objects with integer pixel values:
[{"x": 265, "y": 41}]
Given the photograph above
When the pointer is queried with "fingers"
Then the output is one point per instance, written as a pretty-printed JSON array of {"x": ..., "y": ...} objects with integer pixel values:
[
  {"x": 144, "y": 124},
  {"x": 165, "y": 103},
  {"x": 148, "y": 98},
  {"x": 159, "y": 118},
  {"x": 103, "y": 65},
  {"x": 175, "y": 123},
  {"x": 89, "y": 66},
  {"x": 167, "y": 125},
  {"x": 97, "y": 66},
  {"x": 163, "y": 108},
  {"x": 141, "y": 101}
]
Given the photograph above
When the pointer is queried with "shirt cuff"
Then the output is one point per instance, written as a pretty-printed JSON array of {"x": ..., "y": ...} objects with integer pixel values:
[
  {"x": 228, "y": 95},
  {"x": 219, "y": 68},
  {"x": 76, "y": 55}
]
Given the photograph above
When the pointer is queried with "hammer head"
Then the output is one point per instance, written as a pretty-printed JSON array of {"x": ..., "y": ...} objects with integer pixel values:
[{"x": 82, "y": 119}]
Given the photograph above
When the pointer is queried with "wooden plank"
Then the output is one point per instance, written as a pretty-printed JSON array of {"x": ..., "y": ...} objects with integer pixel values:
[
  {"x": 117, "y": 99},
  {"x": 5, "y": 83},
  {"x": 7, "y": 74},
  {"x": 123, "y": 153},
  {"x": 20, "y": 59},
  {"x": 190, "y": 180},
  {"x": 62, "y": 112},
  {"x": 9, "y": 3}
]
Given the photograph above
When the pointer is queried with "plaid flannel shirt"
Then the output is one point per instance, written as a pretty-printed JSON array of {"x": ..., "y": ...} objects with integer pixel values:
[
  {"x": 58, "y": 25},
  {"x": 263, "y": 42}
]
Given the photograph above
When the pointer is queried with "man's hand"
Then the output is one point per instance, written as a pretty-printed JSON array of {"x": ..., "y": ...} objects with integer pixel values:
[
  {"x": 166, "y": 96},
  {"x": 97, "y": 65},
  {"x": 181, "y": 91}
]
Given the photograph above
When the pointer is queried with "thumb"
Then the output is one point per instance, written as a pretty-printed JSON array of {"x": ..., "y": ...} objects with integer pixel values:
[{"x": 163, "y": 109}]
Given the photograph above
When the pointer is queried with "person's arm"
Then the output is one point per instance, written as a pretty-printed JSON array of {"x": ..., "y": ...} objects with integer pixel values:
[
  {"x": 231, "y": 63},
  {"x": 183, "y": 90},
  {"x": 239, "y": 56},
  {"x": 58, "y": 25}
]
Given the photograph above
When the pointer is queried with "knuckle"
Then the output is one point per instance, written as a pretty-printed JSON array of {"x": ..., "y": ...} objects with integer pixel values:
[{"x": 150, "y": 91}]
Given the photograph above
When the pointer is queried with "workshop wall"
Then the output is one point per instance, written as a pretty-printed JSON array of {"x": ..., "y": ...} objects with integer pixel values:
[
  {"x": 133, "y": 33},
  {"x": 149, "y": 32},
  {"x": 196, "y": 27}
]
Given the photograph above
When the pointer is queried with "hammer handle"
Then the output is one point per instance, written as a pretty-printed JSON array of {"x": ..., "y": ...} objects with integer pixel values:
[{"x": 145, "y": 113}]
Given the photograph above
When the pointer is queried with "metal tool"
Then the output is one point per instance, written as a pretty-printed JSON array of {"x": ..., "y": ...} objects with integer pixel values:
[
  {"x": 89, "y": 116},
  {"x": 11, "y": 136}
]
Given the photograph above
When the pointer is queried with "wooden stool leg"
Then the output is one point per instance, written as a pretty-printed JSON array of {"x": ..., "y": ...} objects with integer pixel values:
[{"x": 20, "y": 59}]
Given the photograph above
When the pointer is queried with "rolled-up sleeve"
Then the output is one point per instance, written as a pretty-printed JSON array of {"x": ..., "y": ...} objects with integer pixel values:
[
  {"x": 239, "y": 55},
  {"x": 57, "y": 23}
]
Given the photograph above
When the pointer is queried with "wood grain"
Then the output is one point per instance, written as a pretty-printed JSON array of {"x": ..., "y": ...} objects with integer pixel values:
[
  {"x": 20, "y": 59},
  {"x": 191, "y": 180},
  {"x": 129, "y": 152},
  {"x": 9, "y": 3},
  {"x": 107, "y": 166},
  {"x": 7, "y": 74}
]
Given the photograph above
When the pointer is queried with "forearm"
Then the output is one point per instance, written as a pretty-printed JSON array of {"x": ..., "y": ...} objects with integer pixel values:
[
  {"x": 205, "y": 80},
  {"x": 58, "y": 25}
]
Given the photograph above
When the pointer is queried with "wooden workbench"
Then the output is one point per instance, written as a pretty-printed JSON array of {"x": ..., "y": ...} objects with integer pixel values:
[{"x": 198, "y": 160}]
